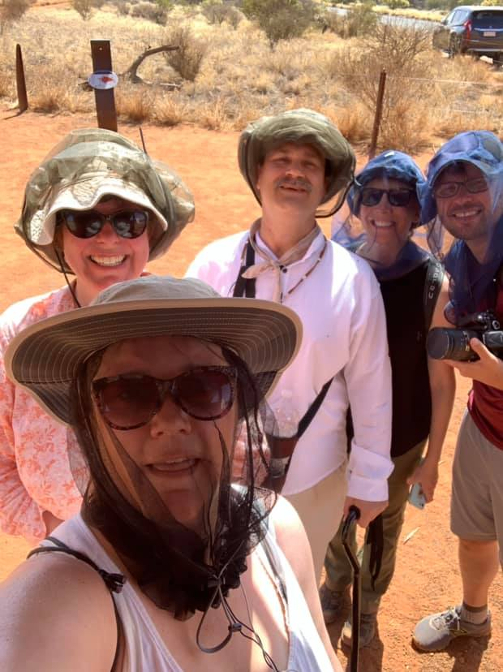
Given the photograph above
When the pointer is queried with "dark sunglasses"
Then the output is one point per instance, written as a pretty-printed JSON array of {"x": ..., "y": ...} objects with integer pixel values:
[
  {"x": 131, "y": 400},
  {"x": 450, "y": 189},
  {"x": 88, "y": 223},
  {"x": 371, "y": 196}
]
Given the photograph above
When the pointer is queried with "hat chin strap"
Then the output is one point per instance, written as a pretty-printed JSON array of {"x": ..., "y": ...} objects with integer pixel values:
[{"x": 69, "y": 284}]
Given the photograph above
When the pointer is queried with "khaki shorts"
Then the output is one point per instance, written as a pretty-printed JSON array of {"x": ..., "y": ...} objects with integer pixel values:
[{"x": 477, "y": 487}]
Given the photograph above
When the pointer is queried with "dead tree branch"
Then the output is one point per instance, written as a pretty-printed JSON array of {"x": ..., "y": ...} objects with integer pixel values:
[{"x": 131, "y": 72}]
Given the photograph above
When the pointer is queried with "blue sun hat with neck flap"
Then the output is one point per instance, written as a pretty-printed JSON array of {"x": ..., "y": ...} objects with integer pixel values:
[
  {"x": 391, "y": 164},
  {"x": 352, "y": 234}
]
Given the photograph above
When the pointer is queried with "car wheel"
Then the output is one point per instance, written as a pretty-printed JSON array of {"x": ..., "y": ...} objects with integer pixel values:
[
  {"x": 498, "y": 60},
  {"x": 453, "y": 47}
]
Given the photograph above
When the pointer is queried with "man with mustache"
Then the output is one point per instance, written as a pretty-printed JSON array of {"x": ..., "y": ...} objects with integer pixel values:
[
  {"x": 299, "y": 167},
  {"x": 464, "y": 190}
]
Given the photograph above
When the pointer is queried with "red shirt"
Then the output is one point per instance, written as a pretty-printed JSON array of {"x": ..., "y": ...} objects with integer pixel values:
[{"x": 485, "y": 403}]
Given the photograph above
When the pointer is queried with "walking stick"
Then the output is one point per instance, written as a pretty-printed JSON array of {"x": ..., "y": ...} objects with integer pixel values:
[{"x": 353, "y": 515}]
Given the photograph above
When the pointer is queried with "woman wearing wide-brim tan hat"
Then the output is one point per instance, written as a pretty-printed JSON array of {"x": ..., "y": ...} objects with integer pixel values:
[
  {"x": 157, "y": 378},
  {"x": 97, "y": 208}
]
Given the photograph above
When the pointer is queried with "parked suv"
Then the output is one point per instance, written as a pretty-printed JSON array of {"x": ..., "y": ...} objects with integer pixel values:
[{"x": 472, "y": 30}]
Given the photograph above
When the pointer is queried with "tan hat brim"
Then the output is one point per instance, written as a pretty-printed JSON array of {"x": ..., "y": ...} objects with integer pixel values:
[{"x": 45, "y": 358}]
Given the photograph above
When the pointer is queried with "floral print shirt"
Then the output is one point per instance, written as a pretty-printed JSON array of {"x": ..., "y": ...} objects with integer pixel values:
[{"x": 35, "y": 474}]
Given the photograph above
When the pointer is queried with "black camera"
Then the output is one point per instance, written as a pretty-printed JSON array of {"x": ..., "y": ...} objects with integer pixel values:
[{"x": 442, "y": 343}]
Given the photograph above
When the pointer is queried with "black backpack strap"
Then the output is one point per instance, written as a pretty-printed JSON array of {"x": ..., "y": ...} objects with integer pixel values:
[
  {"x": 246, "y": 286},
  {"x": 432, "y": 287},
  {"x": 114, "y": 583},
  {"x": 313, "y": 409}
]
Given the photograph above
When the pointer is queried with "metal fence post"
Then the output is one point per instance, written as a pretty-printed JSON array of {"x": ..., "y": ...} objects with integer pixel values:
[
  {"x": 22, "y": 96},
  {"x": 378, "y": 114},
  {"x": 103, "y": 80}
]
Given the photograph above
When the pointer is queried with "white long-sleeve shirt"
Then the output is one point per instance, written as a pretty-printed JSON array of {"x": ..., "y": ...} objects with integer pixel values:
[{"x": 344, "y": 324}]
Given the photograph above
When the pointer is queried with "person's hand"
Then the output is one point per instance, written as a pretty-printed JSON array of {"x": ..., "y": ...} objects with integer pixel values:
[
  {"x": 488, "y": 369},
  {"x": 368, "y": 510},
  {"x": 427, "y": 475},
  {"x": 51, "y": 522}
]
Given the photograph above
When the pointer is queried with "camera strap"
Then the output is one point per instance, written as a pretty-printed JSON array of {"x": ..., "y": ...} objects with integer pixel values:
[
  {"x": 432, "y": 287},
  {"x": 245, "y": 286}
]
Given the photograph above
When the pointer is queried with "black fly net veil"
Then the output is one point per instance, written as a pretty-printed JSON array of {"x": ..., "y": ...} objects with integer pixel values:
[{"x": 181, "y": 568}]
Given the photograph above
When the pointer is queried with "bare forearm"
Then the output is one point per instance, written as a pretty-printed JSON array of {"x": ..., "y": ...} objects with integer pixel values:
[{"x": 443, "y": 388}]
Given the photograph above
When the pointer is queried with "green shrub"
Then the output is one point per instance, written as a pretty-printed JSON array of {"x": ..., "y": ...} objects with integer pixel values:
[
  {"x": 281, "y": 19},
  {"x": 358, "y": 21},
  {"x": 12, "y": 10},
  {"x": 85, "y": 7},
  {"x": 218, "y": 12},
  {"x": 187, "y": 59},
  {"x": 152, "y": 11},
  {"x": 398, "y": 4},
  {"x": 445, "y": 5}
]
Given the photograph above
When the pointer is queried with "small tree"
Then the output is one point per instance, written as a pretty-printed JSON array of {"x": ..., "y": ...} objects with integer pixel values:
[
  {"x": 187, "y": 59},
  {"x": 398, "y": 4},
  {"x": 11, "y": 11},
  {"x": 280, "y": 19},
  {"x": 85, "y": 7}
]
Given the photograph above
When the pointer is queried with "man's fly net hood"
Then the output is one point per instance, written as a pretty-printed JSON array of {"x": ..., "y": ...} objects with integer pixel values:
[
  {"x": 300, "y": 126},
  {"x": 473, "y": 218}
]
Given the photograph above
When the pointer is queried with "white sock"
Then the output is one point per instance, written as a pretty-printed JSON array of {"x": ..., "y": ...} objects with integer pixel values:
[{"x": 475, "y": 615}]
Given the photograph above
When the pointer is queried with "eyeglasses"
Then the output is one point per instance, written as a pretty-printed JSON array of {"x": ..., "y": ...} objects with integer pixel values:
[
  {"x": 371, "y": 196},
  {"x": 450, "y": 189},
  {"x": 131, "y": 400},
  {"x": 88, "y": 223}
]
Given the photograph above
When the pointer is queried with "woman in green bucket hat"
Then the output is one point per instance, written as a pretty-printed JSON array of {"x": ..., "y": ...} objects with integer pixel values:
[{"x": 97, "y": 208}]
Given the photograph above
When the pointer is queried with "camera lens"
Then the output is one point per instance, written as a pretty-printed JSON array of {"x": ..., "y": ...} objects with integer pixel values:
[
  {"x": 450, "y": 344},
  {"x": 439, "y": 343}
]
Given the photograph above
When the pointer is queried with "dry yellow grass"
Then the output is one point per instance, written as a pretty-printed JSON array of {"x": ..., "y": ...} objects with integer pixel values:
[{"x": 240, "y": 78}]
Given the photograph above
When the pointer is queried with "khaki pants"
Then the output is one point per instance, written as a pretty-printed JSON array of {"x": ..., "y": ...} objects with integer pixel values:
[
  {"x": 339, "y": 571},
  {"x": 320, "y": 509}
]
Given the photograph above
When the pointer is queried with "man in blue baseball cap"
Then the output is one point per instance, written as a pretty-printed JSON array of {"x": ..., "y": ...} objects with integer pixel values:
[{"x": 464, "y": 192}]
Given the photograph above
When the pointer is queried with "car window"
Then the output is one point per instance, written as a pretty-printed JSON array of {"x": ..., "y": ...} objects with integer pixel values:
[
  {"x": 487, "y": 19},
  {"x": 450, "y": 17},
  {"x": 457, "y": 19}
]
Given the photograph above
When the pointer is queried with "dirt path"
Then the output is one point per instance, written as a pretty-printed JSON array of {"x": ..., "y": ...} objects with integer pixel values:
[{"x": 427, "y": 577}]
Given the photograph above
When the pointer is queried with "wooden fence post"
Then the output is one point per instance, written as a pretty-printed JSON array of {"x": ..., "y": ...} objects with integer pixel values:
[
  {"x": 22, "y": 96},
  {"x": 378, "y": 114}
]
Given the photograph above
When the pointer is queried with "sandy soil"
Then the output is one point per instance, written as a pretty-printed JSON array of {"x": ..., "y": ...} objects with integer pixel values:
[{"x": 427, "y": 578}]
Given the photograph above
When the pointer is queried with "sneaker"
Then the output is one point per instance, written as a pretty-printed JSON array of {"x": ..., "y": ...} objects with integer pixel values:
[
  {"x": 436, "y": 632},
  {"x": 332, "y": 603},
  {"x": 367, "y": 630}
]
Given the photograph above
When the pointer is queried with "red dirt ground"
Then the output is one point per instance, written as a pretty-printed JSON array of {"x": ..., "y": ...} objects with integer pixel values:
[{"x": 427, "y": 578}]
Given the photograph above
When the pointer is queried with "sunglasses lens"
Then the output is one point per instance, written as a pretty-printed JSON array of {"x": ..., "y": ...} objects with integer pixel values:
[
  {"x": 371, "y": 197},
  {"x": 399, "y": 198},
  {"x": 127, "y": 402},
  {"x": 83, "y": 224},
  {"x": 205, "y": 394},
  {"x": 130, "y": 224},
  {"x": 88, "y": 223}
]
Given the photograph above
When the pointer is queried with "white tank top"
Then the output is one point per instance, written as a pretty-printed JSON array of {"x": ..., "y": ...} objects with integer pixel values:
[{"x": 145, "y": 650}]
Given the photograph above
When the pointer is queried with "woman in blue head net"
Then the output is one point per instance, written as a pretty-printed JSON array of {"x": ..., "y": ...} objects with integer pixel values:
[{"x": 385, "y": 212}]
